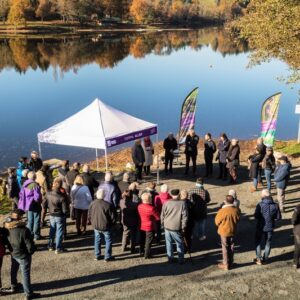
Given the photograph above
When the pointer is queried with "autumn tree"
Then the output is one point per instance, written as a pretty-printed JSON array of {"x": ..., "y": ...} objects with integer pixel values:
[
  {"x": 18, "y": 12},
  {"x": 142, "y": 11},
  {"x": 43, "y": 9},
  {"x": 4, "y": 9}
]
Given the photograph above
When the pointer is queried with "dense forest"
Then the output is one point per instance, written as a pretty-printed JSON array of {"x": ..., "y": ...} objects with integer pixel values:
[{"x": 18, "y": 12}]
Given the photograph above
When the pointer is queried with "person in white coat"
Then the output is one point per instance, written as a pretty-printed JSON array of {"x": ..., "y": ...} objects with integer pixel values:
[
  {"x": 81, "y": 200},
  {"x": 149, "y": 151}
]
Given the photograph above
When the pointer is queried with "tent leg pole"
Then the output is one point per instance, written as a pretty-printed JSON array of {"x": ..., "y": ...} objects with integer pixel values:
[
  {"x": 157, "y": 158},
  {"x": 97, "y": 160},
  {"x": 106, "y": 161},
  {"x": 40, "y": 150}
]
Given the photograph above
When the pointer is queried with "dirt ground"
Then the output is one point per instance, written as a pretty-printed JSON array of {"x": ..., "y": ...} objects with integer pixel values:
[{"x": 75, "y": 275}]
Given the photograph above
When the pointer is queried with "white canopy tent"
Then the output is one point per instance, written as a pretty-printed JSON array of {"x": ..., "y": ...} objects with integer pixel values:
[{"x": 98, "y": 126}]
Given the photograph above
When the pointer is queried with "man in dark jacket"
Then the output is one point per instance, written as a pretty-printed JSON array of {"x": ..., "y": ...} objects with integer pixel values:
[
  {"x": 89, "y": 180},
  {"x": 174, "y": 217},
  {"x": 129, "y": 220},
  {"x": 281, "y": 178},
  {"x": 102, "y": 216},
  {"x": 223, "y": 147},
  {"x": 23, "y": 247},
  {"x": 266, "y": 212},
  {"x": 233, "y": 160},
  {"x": 56, "y": 202},
  {"x": 191, "y": 151},
  {"x": 254, "y": 161},
  {"x": 209, "y": 150},
  {"x": 124, "y": 183},
  {"x": 199, "y": 198},
  {"x": 170, "y": 145},
  {"x": 35, "y": 163},
  {"x": 296, "y": 230},
  {"x": 262, "y": 149},
  {"x": 71, "y": 175},
  {"x": 13, "y": 188},
  {"x": 138, "y": 157}
]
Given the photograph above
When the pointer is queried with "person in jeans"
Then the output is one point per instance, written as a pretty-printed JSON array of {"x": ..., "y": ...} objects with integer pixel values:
[
  {"x": 281, "y": 178},
  {"x": 226, "y": 220},
  {"x": 148, "y": 217},
  {"x": 13, "y": 188},
  {"x": 102, "y": 216},
  {"x": 81, "y": 200},
  {"x": 23, "y": 247},
  {"x": 129, "y": 220},
  {"x": 296, "y": 230},
  {"x": 30, "y": 202},
  {"x": 56, "y": 202},
  {"x": 199, "y": 198},
  {"x": 266, "y": 212},
  {"x": 269, "y": 165},
  {"x": 174, "y": 217}
]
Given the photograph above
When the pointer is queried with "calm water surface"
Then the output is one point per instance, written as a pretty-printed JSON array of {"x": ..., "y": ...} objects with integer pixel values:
[{"x": 45, "y": 80}]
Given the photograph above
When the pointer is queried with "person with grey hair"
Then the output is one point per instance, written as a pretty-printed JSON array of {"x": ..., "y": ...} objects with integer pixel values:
[
  {"x": 89, "y": 180},
  {"x": 124, "y": 183},
  {"x": 236, "y": 202},
  {"x": 30, "y": 202},
  {"x": 266, "y": 213},
  {"x": 111, "y": 191},
  {"x": 102, "y": 216},
  {"x": 148, "y": 216},
  {"x": 233, "y": 160}
]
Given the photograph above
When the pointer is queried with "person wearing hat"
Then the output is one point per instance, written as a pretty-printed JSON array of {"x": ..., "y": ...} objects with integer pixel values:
[
  {"x": 35, "y": 163},
  {"x": 23, "y": 248},
  {"x": 281, "y": 178},
  {"x": 174, "y": 218},
  {"x": 269, "y": 165},
  {"x": 199, "y": 198},
  {"x": 13, "y": 188},
  {"x": 170, "y": 145}
]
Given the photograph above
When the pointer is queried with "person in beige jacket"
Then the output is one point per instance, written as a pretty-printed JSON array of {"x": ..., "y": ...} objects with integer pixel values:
[{"x": 226, "y": 221}]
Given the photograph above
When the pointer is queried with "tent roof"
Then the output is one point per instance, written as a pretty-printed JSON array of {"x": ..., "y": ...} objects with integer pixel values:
[{"x": 97, "y": 126}]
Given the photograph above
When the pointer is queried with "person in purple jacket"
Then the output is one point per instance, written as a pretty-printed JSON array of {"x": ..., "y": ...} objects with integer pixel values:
[{"x": 30, "y": 202}]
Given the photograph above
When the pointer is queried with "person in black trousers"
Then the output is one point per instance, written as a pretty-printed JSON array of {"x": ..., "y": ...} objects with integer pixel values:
[
  {"x": 209, "y": 150},
  {"x": 191, "y": 151},
  {"x": 223, "y": 147},
  {"x": 170, "y": 145},
  {"x": 138, "y": 157},
  {"x": 296, "y": 223}
]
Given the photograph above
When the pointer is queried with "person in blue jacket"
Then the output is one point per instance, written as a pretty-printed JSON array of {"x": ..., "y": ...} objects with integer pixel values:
[
  {"x": 281, "y": 178},
  {"x": 22, "y": 165}
]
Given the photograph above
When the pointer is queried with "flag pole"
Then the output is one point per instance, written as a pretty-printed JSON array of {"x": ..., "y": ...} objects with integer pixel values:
[
  {"x": 97, "y": 160},
  {"x": 40, "y": 149},
  {"x": 157, "y": 158}
]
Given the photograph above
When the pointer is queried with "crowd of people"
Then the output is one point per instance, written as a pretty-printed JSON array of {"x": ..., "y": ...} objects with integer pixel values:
[{"x": 145, "y": 214}]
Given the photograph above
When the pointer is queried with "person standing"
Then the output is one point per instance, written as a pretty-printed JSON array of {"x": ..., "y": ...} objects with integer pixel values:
[
  {"x": 138, "y": 157},
  {"x": 149, "y": 152},
  {"x": 254, "y": 161},
  {"x": 129, "y": 220},
  {"x": 191, "y": 151},
  {"x": 233, "y": 160},
  {"x": 110, "y": 190},
  {"x": 81, "y": 199},
  {"x": 124, "y": 183},
  {"x": 35, "y": 163},
  {"x": 148, "y": 216},
  {"x": 13, "y": 188},
  {"x": 56, "y": 202},
  {"x": 262, "y": 148},
  {"x": 71, "y": 175},
  {"x": 62, "y": 173},
  {"x": 296, "y": 231},
  {"x": 209, "y": 151},
  {"x": 102, "y": 216},
  {"x": 170, "y": 145},
  {"x": 269, "y": 166},
  {"x": 89, "y": 180},
  {"x": 23, "y": 248},
  {"x": 22, "y": 165},
  {"x": 4, "y": 244},
  {"x": 30, "y": 202},
  {"x": 174, "y": 217},
  {"x": 199, "y": 198},
  {"x": 226, "y": 220},
  {"x": 281, "y": 178},
  {"x": 223, "y": 147},
  {"x": 266, "y": 212}
]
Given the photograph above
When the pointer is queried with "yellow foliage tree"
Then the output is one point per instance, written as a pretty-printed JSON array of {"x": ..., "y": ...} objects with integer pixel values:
[{"x": 17, "y": 12}]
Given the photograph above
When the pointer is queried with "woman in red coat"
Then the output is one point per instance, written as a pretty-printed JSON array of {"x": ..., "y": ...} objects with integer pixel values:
[{"x": 149, "y": 216}]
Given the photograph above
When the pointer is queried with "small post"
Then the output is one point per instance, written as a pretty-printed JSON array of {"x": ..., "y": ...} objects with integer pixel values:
[
  {"x": 97, "y": 160},
  {"x": 106, "y": 160},
  {"x": 40, "y": 149},
  {"x": 157, "y": 159},
  {"x": 297, "y": 111}
]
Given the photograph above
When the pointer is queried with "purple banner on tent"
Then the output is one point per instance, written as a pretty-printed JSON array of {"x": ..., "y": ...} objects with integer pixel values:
[
  {"x": 130, "y": 137},
  {"x": 265, "y": 126}
]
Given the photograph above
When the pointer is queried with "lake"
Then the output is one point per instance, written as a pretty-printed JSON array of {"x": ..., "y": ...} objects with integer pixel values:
[{"x": 44, "y": 80}]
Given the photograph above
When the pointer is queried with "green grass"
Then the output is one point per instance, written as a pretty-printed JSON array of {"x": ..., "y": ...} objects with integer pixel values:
[{"x": 291, "y": 148}]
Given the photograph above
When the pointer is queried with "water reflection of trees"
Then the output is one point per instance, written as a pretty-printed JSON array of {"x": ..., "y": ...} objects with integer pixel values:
[{"x": 106, "y": 50}]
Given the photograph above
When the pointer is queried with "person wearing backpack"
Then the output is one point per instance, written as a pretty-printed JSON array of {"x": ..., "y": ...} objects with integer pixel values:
[
  {"x": 199, "y": 198},
  {"x": 296, "y": 230},
  {"x": 209, "y": 151},
  {"x": 266, "y": 213}
]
